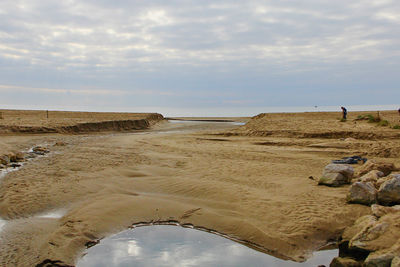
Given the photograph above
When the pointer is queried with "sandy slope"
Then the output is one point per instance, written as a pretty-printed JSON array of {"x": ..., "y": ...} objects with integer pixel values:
[
  {"x": 251, "y": 187},
  {"x": 34, "y": 121}
]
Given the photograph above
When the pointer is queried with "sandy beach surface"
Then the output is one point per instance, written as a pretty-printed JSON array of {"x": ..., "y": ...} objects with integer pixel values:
[{"x": 255, "y": 183}]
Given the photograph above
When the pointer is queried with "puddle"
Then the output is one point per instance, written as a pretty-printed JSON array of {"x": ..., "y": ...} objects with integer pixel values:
[
  {"x": 5, "y": 171},
  {"x": 2, "y": 224},
  {"x": 55, "y": 214},
  {"x": 165, "y": 245}
]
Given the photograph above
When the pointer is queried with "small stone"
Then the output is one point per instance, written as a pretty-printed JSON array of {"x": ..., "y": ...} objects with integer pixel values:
[
  {"x": 60, "y": 143},
  {"x": 40, "y": 150},
  {"x": 20, "y": 156},
  {"x": 344, "y": 262},
  {"x": 362, "y": 193},
  {"x": 12, "y": 157},
  {"x": 4, "y": 159}
]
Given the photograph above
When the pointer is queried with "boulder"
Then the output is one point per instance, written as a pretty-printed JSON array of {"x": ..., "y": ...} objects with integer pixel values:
[
  {"x": 378, "y": 260},
  {"x": 344, "y": 262},
  {"x": 363, "y": 239},
  {"x": 382, "y": 181},
  {"x": 395, "y": 262},
  {"x": 370, "y": 165},
  {"x": 379, "y": 211},
  {"x": 371, "y": 176},
  {"x": 360, "y": 225},
  {"x": 362, "y": 193},
  {"x": 4, "y": 159},
  {"x": 336, "y": 175},
  {"x": 389, "y": 191}
]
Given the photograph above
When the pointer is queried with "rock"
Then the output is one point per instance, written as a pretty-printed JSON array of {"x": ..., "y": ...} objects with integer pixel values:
[
  {"x": 378, "y": 260},
  {"x": 360, "y": 225},
  {"x": 389, "y": 191},
  {"x": 4, "y": 159},
  {"x": 60, "y": 143},
  {"x": 379, "y": 211},
  {"x": 370, "y": 165},
  {"x": 362, "y": 239},
  {"x": 336, "y": 175},
  {"x": 40, "y": 150},
  {"x": 344, "y": 262},
  {"x": 395, "y": 262},
  {"x": 12, "y": 157},
  {"x": 31, "y": 155},
  {"x": 372, "y": 176},
  {"x": 362, "y": 193},
  {"x": 382, "y": 181},
  {"x": 20, "y": 156}
]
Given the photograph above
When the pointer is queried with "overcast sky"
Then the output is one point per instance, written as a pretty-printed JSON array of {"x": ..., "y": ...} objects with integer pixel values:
[{"x": 198, "y": 55}]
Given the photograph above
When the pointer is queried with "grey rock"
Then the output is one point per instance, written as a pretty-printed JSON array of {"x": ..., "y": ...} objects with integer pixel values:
[
  {"x": 336, "y": 175},
  {"x": 362, "y": 193},
  {"x": 389, "y": 191}
]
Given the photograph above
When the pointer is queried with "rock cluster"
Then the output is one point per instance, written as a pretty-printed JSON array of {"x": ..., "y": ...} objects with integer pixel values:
[
  {"x": 373, "y": 240},
  {"x": 375, "y": 184},
  {"x": 14, "y": 160}
]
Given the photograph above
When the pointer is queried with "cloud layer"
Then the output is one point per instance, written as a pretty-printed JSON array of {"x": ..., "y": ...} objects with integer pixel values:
[{"x": 203, "y": 53}]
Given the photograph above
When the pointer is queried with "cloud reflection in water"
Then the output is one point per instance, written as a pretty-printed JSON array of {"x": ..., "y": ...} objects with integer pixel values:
[{"x": 163, "y": 245}]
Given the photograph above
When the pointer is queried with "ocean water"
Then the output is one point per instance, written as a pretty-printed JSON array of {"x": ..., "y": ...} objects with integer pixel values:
[{"x": 239, "y": 111}]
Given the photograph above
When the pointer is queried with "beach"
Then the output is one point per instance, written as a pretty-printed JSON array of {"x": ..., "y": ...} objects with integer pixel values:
[{"x": 255, "y": 183}]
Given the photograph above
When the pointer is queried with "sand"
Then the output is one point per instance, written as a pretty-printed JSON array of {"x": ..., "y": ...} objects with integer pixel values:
[{"x": 249, "y": 182}]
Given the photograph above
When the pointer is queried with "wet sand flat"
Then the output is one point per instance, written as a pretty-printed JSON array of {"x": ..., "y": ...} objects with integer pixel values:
[{"x": 251, "y": 183}]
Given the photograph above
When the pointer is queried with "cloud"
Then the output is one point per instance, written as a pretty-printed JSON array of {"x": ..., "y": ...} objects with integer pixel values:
[{"x": 187, "y": 51}]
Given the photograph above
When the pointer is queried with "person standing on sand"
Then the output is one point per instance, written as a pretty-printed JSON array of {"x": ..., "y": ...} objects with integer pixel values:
[{"x": 344, "y": 111}]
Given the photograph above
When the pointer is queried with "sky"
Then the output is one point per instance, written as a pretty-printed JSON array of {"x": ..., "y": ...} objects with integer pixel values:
[{"x": 198, "y": 57}]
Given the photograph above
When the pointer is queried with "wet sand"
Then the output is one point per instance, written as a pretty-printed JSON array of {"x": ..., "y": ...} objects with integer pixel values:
[{"x": 250, "y": 183}]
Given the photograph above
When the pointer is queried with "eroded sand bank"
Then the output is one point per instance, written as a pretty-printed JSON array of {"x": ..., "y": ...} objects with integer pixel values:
[{"x": 239, "y": 182}]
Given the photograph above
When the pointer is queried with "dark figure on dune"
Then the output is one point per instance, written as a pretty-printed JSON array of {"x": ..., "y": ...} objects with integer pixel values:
[{"x": 344, "y": 111}]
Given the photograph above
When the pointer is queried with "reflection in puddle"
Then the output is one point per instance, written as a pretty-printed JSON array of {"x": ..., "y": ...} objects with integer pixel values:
[
  {"x": 56, "y": 214},
  {"x": 163, "y": 245},
  {"x": 2, "y": 224}
]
